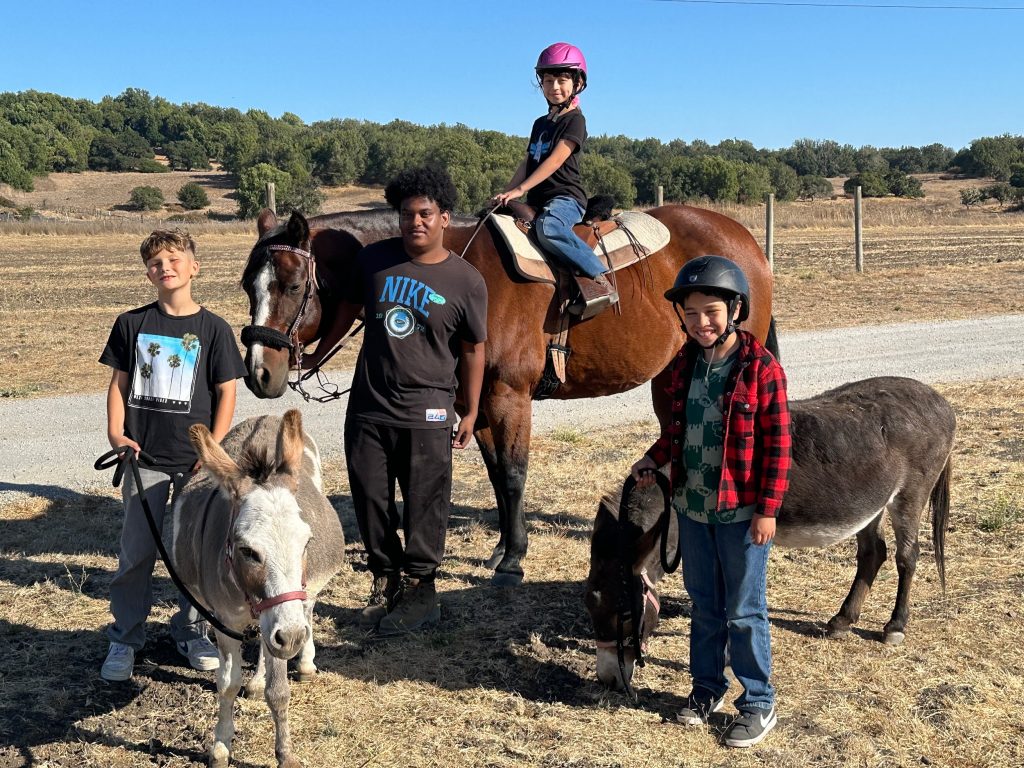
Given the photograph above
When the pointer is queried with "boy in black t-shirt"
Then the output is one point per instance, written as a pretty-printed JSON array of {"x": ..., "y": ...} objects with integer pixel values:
[
  {"x": 426, "y": 320},
  {"x": 174, "y": 365}
]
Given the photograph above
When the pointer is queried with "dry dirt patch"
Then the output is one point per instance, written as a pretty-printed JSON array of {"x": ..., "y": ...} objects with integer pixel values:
[{"x": 508, "y": 679}]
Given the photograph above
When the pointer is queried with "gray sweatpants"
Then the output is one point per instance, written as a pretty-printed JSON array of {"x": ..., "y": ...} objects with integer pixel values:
[{"x": 131, "y": 591}]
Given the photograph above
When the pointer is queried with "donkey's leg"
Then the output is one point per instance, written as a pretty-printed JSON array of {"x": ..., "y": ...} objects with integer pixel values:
[
  {"x": 229, "y": 680},
  {"x": 485, "y": 440},
  {"x": 871, "y": 554},
  {"x": 509, "y": 414},
  {"x": 305, "y": 668},
  {"x": 278, "y": 694},
  {"x": 257, "y": 684},
  {"x": 905, "y": 513}
]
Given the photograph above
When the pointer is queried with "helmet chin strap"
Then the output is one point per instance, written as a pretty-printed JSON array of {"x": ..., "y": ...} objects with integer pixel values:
[{"x": 730, "y": 327}]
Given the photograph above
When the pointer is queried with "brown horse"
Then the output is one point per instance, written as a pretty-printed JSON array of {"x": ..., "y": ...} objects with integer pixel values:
[{"x": 611, "y": 353}]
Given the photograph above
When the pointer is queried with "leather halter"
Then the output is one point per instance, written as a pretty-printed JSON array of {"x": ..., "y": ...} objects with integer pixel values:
[
  {"x": 650, "y": 595},
  {"x": 256, "y": 608},
  {"x": 262, "y": 334}
]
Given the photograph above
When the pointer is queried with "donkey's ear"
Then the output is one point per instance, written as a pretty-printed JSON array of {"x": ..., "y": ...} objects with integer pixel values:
[
  {"x": 298, "y": 228},
  {"x": 267, "y": 221},
  {"x": 216, "y": 460},
  {"x": 290, "y": 444}
]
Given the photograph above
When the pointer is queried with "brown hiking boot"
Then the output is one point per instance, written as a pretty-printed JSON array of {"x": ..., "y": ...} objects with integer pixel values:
[
  {"x": 416, "y": 607},
  {"x": 382, "y": 599}
]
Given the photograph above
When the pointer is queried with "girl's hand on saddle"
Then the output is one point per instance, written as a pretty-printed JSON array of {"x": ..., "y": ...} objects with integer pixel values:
[
  {"x": 643, "y": 472},
  {"x": 762, "y": 529},
  {"x": 463, "y": 433}
]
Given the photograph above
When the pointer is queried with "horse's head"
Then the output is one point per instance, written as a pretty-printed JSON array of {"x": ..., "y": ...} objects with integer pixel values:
[
  {"x": 267, "y": 538},
  {"x": 284, "y": 306},
  {"x": 620, "y": 592}
]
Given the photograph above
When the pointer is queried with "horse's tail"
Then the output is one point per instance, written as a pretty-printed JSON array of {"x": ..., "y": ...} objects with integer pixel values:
[
  {"x": 772, "y": 342},
  {"x": 940, "y": 518}
]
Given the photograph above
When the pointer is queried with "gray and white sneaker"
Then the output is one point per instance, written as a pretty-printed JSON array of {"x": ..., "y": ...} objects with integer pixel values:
[
  {"x": 700, "y": 705},
  {"x": 117, "y": 667},
  {"x": 201, "y": 654},
  {"x": 750, "y": 727}
]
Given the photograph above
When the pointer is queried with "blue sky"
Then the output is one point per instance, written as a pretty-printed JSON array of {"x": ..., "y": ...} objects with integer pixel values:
[{"x": 770, "y": 74}]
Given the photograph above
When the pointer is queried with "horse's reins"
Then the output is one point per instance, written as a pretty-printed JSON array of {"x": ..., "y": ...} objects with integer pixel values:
[
  {"x": 479, "y": 226},
  {"x": 630, "y": 607},
  {"x": 118, "y": 457}
]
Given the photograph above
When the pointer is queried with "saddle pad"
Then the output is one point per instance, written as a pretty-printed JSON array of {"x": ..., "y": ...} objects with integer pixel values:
[{"x": 531, "y": 262}]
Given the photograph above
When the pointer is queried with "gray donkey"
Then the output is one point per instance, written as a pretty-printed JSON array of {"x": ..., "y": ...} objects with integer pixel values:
[{"x": 255, "y": 540}]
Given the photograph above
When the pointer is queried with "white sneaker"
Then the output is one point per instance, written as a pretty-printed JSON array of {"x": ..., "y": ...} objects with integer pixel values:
[
  {"x": 118, "y": 664},
  {"x": 201, "y": 654}
]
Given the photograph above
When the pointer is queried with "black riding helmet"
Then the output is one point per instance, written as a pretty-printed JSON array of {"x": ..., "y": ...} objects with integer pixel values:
[{"x": 713, "y": 274}]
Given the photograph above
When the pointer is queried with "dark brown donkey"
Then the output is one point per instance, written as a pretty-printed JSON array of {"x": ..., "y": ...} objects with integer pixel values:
[
  {"x": 861, "y": 451},
  {"x": 614, "y": 352}
]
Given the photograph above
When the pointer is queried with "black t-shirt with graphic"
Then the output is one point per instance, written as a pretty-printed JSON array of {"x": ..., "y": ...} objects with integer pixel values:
[
  {"x": 417, "y": 316},
  {"x": 174, "y": 365},
  {"x": 566, "y": 180}
]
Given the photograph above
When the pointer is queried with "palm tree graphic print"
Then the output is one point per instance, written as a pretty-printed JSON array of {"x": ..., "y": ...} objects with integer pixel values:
[{"x": 165, "y": 372}]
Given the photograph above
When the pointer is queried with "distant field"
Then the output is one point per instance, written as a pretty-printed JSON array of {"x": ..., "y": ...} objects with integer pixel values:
[{"x": 62, "y": 285}]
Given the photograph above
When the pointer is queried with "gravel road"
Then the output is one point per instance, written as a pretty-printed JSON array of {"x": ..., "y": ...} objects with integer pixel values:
[{"x": 48, "y": 445}]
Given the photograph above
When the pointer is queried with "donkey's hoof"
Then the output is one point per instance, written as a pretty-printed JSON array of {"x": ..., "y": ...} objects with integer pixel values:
[
  {"x": 502, "y": 579},
  {"x": 894, "y": 638},
  {"x": 837, "y": 628},
  {"x": 219, "y": 755},
  {"x": 305, "y": 675}
]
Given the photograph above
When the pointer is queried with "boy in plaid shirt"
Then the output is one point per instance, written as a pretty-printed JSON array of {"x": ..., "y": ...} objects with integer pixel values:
[{"x": 728, "y": 442}]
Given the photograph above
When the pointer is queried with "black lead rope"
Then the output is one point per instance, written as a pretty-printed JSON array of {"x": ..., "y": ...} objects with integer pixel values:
[{"x": 117, "y": 456}]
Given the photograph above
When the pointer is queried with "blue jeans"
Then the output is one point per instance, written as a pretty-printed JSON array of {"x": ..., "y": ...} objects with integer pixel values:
[
  {"x": 554, "y": 232},
  {"x": 725, "y": 575}
]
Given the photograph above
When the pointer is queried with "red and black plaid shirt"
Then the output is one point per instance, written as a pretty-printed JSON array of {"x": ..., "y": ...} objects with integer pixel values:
[{"x": 756, "y": 460}]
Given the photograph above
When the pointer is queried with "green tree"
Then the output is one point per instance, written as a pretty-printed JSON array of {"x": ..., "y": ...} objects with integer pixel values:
[
  {"x": 290, "y": 193},
  {"x": 192, "y": 196},
  {"x": 146, "y": 199},
  {"x": 812, "y": 187},
  {"x": 902, "y": 184},
  {"x": 755, "y": 183},
  {"x": 187, "y": 155},
  {"x": 872, "y": 184},
  {"x": 970, "y": 196},
  {"x": 602, "y": 176},
  {"x": 785, "y": 182}
]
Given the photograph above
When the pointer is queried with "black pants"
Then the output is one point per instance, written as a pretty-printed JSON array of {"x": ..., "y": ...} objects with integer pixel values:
[{"x": 421, "y": 461}]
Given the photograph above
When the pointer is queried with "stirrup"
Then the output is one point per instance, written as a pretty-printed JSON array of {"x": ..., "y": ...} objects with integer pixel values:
[{"x": 593, "y": 298}]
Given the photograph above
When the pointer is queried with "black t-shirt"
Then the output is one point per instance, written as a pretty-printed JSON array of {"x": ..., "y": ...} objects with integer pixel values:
[
  {"x": 565, "y": 181},
  {"x": 174, "y": 365},
  {"x": 417, "y": 316}
]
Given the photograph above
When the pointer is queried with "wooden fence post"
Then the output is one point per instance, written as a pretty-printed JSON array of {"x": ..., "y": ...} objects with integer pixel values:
[
  {"x": 769, "y": 230},
  {"x": 271, "y": 197},
  {"x": 858, "y": 221},
  {"x": 659, "y": 198}
]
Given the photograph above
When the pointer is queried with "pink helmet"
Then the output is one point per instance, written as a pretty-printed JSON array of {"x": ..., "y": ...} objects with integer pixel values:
[{"x": 563, "y": 56}]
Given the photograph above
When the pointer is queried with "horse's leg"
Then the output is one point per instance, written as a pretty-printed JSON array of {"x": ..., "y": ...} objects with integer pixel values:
[
  {"x": 485, "y": 439},
  {"x": 905, "y": 514},
  {"x": 277, "y": 696},
  {"x": 509, "y": 414},
  {"x": 257, "y": 684},
  {"x": 871, "y": 554},
  {"x": 306, "y": 668},
  {"x": 229, "y": 680}
]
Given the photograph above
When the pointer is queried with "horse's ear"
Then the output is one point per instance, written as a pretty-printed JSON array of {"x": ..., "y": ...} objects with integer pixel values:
[
  {"x": 290, "y": 444},
  {"x": 216, "y": 460},
  {"x": 298, "y": 228},
  {"x": 267, "y": 221}
]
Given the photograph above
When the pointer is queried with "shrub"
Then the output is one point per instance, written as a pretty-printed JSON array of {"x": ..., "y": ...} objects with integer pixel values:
[
  {"x": 6, "y": 202},
  {"x": 812, "y": 187},
  {"x": 192, "y": 196},
  {"x": 26, "y": 213},
  {"x": 871, "y": 183},
  {"x": 146, "y": 199},
  {"x": 149, "y": 165},
  {"x": 1002, "y": 192},
  {"x": 902, "y": 185},
  {"x": 970, "y": 196}
]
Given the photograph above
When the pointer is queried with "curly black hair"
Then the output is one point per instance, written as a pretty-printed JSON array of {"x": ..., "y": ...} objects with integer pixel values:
[{"x": 430, "y": 182}]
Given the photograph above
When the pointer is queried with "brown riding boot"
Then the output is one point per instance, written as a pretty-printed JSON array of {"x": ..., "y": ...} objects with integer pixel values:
[
  {"x": 416, "y": 607},
  {"x": 613, "y": 295},
  {"x": 382, "y": 599}
]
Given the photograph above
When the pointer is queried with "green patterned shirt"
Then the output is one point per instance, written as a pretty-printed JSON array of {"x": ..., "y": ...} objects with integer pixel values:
[{"x": 705, "y": 445}]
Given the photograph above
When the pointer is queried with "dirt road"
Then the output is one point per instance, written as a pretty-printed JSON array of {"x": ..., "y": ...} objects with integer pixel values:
[{"x": 48, "y": 445}]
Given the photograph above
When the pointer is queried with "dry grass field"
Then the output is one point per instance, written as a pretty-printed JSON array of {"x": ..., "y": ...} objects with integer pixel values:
[{"x": 509, "y": 679}]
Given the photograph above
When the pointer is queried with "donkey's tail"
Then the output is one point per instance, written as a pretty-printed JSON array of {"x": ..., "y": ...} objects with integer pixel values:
[{"x": 940, "y": 518}]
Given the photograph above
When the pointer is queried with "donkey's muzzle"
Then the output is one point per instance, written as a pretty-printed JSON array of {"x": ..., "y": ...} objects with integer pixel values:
[{"x": 268, "y": 337}]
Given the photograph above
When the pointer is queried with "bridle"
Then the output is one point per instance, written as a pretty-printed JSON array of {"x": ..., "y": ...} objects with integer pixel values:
[
  {"x": 271, "y": 337},
  {"x": 257, "y": 607},
  {"x": 638, "y": 590}
]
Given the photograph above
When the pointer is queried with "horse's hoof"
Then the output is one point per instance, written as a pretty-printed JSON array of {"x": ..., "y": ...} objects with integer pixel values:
[
  {"x": 219, "y": 756},
  {"x": 894, "y": 638},
  {"x": 501, "y": 579}
]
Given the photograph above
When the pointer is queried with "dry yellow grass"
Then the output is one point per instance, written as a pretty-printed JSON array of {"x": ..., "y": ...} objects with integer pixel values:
[{"x": 508, "y": 679}]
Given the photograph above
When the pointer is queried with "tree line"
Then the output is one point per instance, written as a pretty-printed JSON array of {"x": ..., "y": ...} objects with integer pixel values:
[{"x": 42, "y": 133}]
